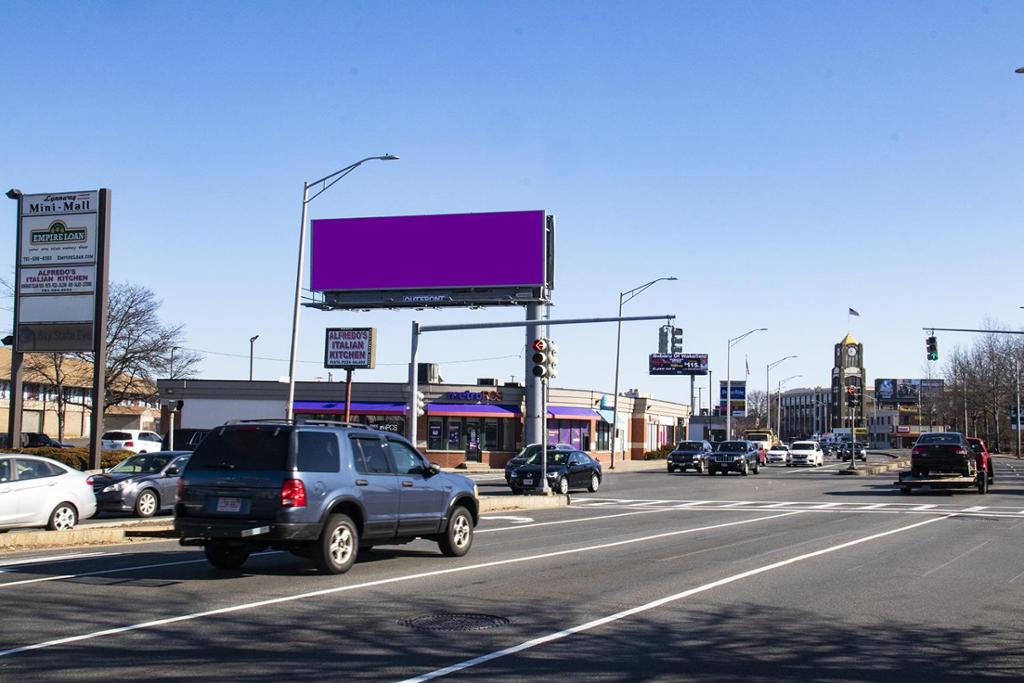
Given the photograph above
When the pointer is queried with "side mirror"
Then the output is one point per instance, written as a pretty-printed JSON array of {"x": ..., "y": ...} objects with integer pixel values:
[
  {"x": 172, "y": 471},
  {"x": 433, "y": 469}
]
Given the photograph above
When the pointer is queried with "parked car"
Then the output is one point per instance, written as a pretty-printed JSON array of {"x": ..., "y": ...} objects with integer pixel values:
[
  {"x": 40, "y": 440},
  {"x": 689, "y": 455},
  {"x": 778, "y": 454},
  {"x": 566, "y": 470},
  {"x": 858, "y": 448},
  {"x": 805, "y": 453},
  {"x": 735, "y": 456},
  {"x": 135, "y": 440},
  {"x": 521, "y": 457},
  {"x": 319, "y": 490},
  {"x": 184, "y": 439},
  {"x": 142, "y": 484},
  {"x": 40, "y": 492}
]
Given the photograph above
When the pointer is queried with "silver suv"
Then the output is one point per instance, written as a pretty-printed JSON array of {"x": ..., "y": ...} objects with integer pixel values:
[{"x": 321, "y": 490}]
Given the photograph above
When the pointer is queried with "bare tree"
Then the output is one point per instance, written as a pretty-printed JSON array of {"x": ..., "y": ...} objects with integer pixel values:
[
  {"x": 140, "y": 347},
  {"x": 64, "y": 373},
  {"x": 757, "y": 404}
]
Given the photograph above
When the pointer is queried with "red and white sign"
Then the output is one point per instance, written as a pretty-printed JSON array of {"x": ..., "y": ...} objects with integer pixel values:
[{"x": 351, "y": 347}]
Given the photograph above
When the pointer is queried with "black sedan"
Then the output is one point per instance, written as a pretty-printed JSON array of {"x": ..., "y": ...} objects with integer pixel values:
[
  {"x": 521, "y": 457},
  {"x": 735, "y": 456},
  {"x": 565, "y": 470},
  {"x": 142, "y": 484}
]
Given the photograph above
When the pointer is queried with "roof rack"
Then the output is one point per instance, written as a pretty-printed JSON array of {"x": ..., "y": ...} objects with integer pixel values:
[{"x": 299, "y": 421}]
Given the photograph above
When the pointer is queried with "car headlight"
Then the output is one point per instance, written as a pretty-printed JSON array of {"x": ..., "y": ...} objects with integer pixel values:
[
  {"x": 737, "y": 457},
  {"x": 119, "y": 486},
  {"x": 552, "y": 475}
]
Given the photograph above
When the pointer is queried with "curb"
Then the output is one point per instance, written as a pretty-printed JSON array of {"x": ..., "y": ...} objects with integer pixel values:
[
  {"x": 142, "y": 531},
  {"x": 866, "y": 470}
]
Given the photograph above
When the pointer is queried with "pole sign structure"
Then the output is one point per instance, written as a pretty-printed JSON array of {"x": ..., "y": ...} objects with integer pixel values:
[
  {"x": 60, "y": 299},
  {"x": 350, "y": 348}
]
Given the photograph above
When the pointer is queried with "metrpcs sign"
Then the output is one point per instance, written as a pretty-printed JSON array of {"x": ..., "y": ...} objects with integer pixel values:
[{"x": 351, "y": 348}]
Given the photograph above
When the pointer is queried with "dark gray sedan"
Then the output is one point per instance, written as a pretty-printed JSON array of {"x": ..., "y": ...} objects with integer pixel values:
[{"x": 143, "y": 484}]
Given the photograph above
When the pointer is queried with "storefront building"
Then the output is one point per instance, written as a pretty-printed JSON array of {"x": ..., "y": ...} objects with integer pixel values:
[{"x": 463, "y": 423}]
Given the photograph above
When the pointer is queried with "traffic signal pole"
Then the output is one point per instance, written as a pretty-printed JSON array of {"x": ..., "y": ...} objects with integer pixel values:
[{"x": 534, "y": 387}]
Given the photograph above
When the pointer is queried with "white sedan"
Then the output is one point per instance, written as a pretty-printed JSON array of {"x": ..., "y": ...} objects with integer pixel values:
[
  {"x": 806, "y": 453},
  {"x": 779, "y": 453},
  {"x": 40, "y": 492}
]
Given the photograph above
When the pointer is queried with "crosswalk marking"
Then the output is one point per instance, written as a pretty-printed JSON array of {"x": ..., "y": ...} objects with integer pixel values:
[
  {"x": 806, "y": 505},
  {"x": 924, "y": 507},
  {"x": 976, "y": 508}
]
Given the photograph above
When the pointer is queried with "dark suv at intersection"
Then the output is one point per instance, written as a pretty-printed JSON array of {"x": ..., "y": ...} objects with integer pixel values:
[{"x": 320, "y": 490}]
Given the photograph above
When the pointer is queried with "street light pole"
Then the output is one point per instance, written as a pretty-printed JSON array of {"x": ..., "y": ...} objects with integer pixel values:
[
  {"x": 624, "y": 297},
  {"x": 306, "y": 199},
  {"x": 768, "y": 391},
  {"x": 1017, "y": 373},
  {"x": 252, "y": 345},
  {"x": 778, "y": 418},
  {"x": 728, "y": 378}
]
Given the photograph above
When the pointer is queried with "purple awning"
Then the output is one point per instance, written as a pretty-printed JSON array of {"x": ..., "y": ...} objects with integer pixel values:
[
  {"x": 471, "y": 410},
  {"x": 338, "y": 407},
  {"x": 572, "y": 413}
]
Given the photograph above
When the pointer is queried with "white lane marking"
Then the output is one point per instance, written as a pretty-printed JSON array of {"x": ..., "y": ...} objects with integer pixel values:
[
  {"x": 649, "y": 502},
  {"x": 700, "y": 502},
  {"x": 558, "y": 635},
  {"x": 875, "y": 506},
  {"x": 119, "y": 570},
  {"x": 1016, "y": 577},
  {"x": 739, "y": 504},
  {"x": 976, "y": 508},
  {"x": 779, "y": 505},
  {"x": 924, "y": 507},
  {"x": 52, "y": 558},
  {"x": 569, "y": 521},
  {"x": 371, "y": 584},
  {"x": 946, "y": 564},
  {"x": 511, "y": 518},
  {"x": 821, "y": 506}
]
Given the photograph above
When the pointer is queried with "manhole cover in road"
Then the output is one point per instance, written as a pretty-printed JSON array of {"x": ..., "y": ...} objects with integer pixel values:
[{"x": 455, "y": 622}]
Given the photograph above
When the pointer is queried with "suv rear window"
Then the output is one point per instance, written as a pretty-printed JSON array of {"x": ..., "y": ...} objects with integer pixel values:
[
  {"x": 247, "y": 448},
  {"x": 117, "y": 436}
]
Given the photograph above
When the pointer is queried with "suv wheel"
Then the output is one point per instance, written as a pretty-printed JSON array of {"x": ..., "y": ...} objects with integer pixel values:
[
  {"x": 700, "y": 467},
  {"x": 225, "y": 556},
  {"x": 146, "y": 504},
  {"x": 335, "y": 552},
  {"x": 595, "y": 482},
  {"x": 745, "y": 469},
  {"x": 457, "y": 540}
]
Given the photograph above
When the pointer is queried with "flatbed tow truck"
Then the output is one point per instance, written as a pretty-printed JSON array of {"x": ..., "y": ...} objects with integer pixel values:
[{"x": 946, "y": 460}]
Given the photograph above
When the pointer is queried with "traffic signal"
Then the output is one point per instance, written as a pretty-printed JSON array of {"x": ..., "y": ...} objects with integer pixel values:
[
  {"x": 677, "y": 340},
  {"x": 933, "y": 347},
  {"x": 421, "y": 404},
  {"x": 664, "y": 338},
  {"x": 545, "y": 358},
  {"x": 852, "y": 397}
]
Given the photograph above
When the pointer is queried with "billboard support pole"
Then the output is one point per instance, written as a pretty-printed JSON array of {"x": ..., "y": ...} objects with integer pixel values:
[
  {"x": 533, "y": 384},
  {"x": 348, "y": 394},
  {"x": 289, "y": 411},
  {"x": 17, "y": 372},
  {"x": 99, "y": 369},
  {"x": 411, "y": 417},
  {"x": 691, "y": 407}
]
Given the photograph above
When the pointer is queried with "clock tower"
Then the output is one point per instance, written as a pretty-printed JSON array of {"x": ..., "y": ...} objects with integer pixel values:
[{"x": 848, "y": 384}]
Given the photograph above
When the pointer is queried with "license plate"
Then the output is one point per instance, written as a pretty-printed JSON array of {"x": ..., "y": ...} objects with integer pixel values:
[
  {"x": 229, "y": 504},
  {"x": 527, "y": 482}
]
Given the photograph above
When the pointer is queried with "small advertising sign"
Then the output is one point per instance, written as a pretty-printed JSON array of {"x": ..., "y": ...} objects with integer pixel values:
[
  {"x": 351, "y": 348},
  {"x": 738, "y": 403},
  {"x": 678, "y": 364}
]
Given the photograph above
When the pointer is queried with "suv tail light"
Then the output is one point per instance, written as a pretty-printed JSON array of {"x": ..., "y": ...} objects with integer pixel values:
[
  {"x": 960, "y": 451},
  {"x": 293, "y": 494},
  {"x": 181, "y": 487},
  {"x": 88, "y": 481},
  {"x": 917, "y": 451}
]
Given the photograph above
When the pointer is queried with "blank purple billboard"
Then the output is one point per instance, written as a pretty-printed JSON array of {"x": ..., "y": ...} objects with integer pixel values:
[{"x": 503, "y": 249}]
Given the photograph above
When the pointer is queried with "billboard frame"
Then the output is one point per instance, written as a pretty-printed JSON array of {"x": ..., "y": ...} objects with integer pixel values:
[
  {"x": 420, "y": 298},
  {"x": 677, "y": 364}
]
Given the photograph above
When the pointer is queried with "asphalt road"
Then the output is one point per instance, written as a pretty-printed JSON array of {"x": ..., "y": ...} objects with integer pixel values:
[{"x": 795, "y": 574}]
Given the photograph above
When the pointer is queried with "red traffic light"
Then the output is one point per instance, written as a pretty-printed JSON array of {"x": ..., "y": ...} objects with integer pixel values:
[{"x": 539, "y": 345}]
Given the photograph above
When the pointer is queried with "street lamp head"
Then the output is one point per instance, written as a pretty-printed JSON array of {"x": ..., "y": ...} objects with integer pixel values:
[
  {"x": 389, "y": 157},
  {"x": 1019, "y": 70},
  {"x": 673, "y": 278},
  {"x": 254, "y": 338},
  {"x": 14, "y": 193}
]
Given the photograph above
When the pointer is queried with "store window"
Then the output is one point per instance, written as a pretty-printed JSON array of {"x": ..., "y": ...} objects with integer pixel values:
[
  {"x": 462, "y": 433},
  {"x": 604, "y": 435}
]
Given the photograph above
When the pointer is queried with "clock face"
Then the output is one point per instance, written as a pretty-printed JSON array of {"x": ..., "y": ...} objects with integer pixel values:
[{"x": 851, "y": 351}]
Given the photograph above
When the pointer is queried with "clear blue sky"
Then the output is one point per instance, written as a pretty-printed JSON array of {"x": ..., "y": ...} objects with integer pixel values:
[{"x": 785, "y": 160}]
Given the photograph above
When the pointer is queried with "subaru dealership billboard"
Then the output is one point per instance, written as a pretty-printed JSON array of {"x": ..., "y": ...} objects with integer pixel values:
[
  {"x": 908, "y": 391},
  {"x": 678, "y": 364},
  {"x": 503, "y": 258}
]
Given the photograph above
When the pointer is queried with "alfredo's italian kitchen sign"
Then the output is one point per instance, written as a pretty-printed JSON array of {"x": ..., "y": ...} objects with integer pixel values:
[{"x": 351, "y": 347}]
